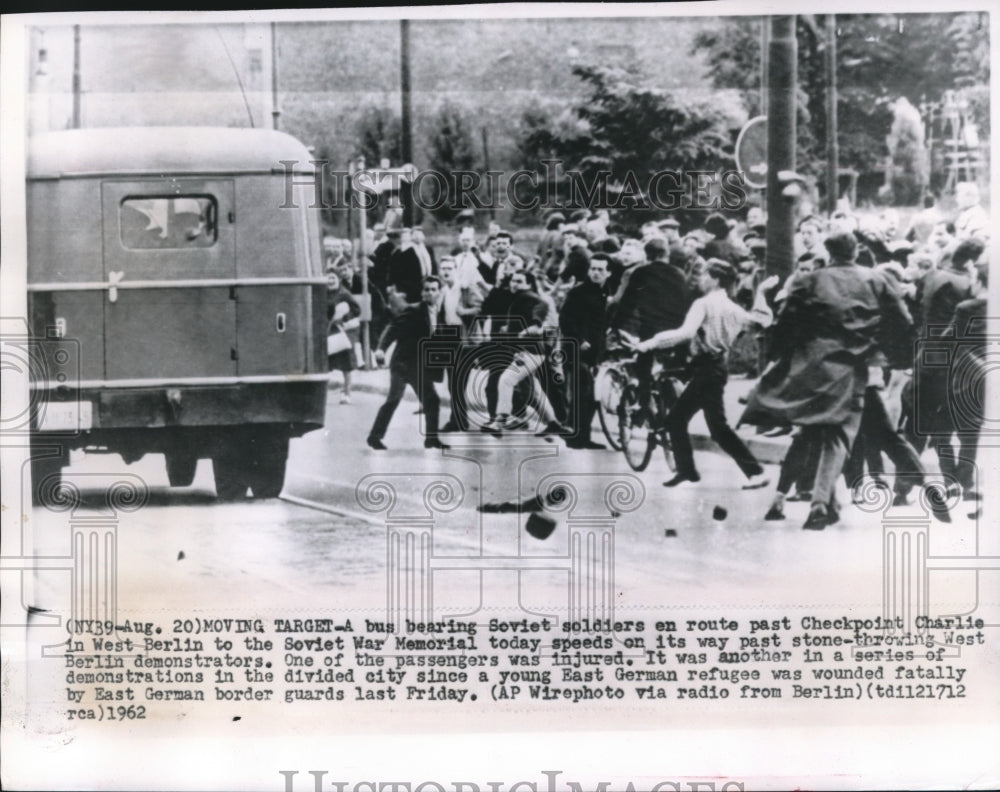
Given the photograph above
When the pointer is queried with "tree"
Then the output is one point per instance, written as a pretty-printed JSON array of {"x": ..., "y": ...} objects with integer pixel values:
[
  {"x": 621, "y": 132},
  {"x": 451, "y": 149},
  {"x": 380, "y": 136}
]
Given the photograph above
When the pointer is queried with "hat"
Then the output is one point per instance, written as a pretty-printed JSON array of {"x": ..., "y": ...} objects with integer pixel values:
[
  {"x": 393, "y": 232},
  {"x": 670, "y": 222},
  {"x": 580, "y": 215},
  {"x": 378, "y": 227},
  {"x": 554, "y": 216}
]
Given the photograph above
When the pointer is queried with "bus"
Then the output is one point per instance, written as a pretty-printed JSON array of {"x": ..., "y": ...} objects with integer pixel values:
[{"x": 177, "y": 300}]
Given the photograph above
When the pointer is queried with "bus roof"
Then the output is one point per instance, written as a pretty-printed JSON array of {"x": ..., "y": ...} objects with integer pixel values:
[{"x": 163, "y": 150}]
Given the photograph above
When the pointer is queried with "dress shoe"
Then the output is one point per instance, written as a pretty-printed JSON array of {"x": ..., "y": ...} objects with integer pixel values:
[
  {"x": 757, "y": 481},
  {"x": 900, "y": 500},
  {"x": 680, "y": 478},
  {"x": 585, "y": 445},
  {"x": 376, "y": 443},
  {"x": 494, "y": 427},
  {"x": 818, "y": 518},
  {"x": 552, "y": 428},
  {"x": 774, "y": 513},
  {"x": 433, "y": 442}
]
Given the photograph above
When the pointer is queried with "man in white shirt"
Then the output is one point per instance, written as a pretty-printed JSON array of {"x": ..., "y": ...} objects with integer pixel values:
[
  {"x": 451, "y": 292},
  {"x": 711, "y": 326},
  {"x": 972, "y": 220}
]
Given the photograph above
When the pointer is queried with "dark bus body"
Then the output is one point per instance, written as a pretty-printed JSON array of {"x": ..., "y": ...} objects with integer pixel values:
[{"x": 175, "y": 285}]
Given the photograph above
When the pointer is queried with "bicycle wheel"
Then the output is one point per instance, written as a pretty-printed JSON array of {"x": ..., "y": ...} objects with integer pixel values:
[
  {"x": 608, "y": 386},
  {"x": 668, "y": 397},
  {"x": 637, "y": 437}
]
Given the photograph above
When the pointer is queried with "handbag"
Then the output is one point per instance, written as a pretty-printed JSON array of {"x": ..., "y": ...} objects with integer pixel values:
[{"x": 337, "y": 342}]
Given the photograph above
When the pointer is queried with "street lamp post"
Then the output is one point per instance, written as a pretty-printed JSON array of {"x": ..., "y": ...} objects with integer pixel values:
[{"x": 405, "y": 193}]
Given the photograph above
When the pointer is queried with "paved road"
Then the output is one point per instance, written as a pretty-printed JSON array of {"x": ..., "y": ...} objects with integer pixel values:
[{"x": 320, "y": 546}]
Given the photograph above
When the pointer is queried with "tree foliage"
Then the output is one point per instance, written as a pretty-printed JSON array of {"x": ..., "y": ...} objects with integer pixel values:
[
  {"x": 880, "y": 58},
  {"x": 618, "y": 134},
  {"x": 451, "y": 148},
  {"x": 379, "y": 134}
]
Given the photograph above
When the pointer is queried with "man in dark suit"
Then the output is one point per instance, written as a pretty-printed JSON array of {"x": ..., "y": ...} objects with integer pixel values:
[
  {"x": 826, "y": 337},
  {"x": 950, "y": 398},
  {"x": 415, "y": 324},
  {"x": 939, "y": 294},
  {"x": 656, "y": 298},
  {"x": 941, "y": 290},
  {"x": 405, "y": 270},
  {"x": 584, "y": 319}
]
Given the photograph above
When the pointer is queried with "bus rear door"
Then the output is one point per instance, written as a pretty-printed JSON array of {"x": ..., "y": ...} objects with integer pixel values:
[{"x": 170, "y": 262}]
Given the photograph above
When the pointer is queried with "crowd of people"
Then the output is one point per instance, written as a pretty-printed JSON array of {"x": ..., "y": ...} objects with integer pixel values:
[{"x": 848, "y": 337}]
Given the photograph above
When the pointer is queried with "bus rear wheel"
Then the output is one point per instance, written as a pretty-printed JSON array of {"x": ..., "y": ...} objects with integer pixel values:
[
  {"x": 230, "y": 470},
  {"x": 267, "y": 463},
  {"x": 181, "y": 466}
]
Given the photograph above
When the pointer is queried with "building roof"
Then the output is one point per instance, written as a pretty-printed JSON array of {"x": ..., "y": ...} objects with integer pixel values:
[{"x": 164, "y": 150}]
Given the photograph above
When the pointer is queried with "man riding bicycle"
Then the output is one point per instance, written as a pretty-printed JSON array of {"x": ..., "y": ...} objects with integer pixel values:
[{"x": 656, "y": 298}]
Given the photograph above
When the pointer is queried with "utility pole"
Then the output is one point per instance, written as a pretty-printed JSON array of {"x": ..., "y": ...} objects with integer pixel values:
[
  {"x": 486, "y": 169},
  {"x": 39, "y": 96},
  {"x": 361, "y": 259},
  {"x": 765, "y": 43},
  {"x": 781, "y": 82},
  {"x": 832, "y": 151},
  {"x": 76, "y": 77},
  {"x": 275, "y": 109},
  {"x": 405, "y": 191}
]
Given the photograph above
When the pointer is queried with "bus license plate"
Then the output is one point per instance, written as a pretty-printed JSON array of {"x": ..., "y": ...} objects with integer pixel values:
[{"x": 66, "y": 417}]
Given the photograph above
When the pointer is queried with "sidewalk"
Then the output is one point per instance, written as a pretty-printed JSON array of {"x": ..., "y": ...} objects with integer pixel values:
[{"x": 766, "y": 449}]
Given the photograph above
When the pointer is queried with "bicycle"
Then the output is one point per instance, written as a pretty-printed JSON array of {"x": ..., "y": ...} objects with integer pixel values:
[
  {"x": 610, "y": 381},
  {"x": 642, "y": 428}
]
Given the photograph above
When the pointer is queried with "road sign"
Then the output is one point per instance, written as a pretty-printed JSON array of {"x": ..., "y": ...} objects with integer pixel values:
[
  {"x": 751, "y": 152},
  {"x": 380, "y": 180}
]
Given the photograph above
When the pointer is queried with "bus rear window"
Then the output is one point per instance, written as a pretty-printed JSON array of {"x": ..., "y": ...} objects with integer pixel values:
[{"x": 158, "y": 222}]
